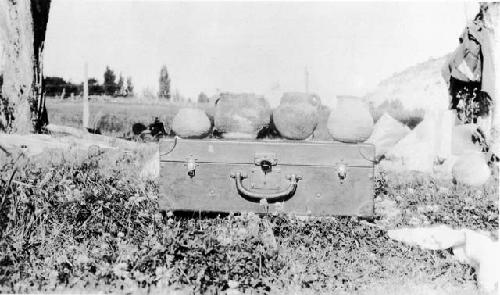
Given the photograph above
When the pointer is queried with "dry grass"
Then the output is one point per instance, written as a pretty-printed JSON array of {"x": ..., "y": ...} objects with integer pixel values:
[
  {"x": 116, "y": 118},
  {"x": 72, "y": 224}
]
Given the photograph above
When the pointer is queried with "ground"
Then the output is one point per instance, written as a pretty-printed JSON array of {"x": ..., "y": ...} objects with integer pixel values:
[{"x": 76, "y": 223}]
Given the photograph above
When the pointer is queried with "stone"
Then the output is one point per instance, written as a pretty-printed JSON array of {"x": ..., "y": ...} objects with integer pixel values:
[
  {"x": 386, "y": 133},
  {"x": 423, "y": 147}
]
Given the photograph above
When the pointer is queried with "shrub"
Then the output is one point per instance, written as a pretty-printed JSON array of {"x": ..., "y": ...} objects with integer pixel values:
[{"x": 395, "y": 108}]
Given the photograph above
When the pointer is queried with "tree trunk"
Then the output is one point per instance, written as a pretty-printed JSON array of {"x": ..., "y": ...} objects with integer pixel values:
[
  {"x": 22, "y": 33},
  {"x": 491, "y": 80},
  {"x": 486, "y": 29}
]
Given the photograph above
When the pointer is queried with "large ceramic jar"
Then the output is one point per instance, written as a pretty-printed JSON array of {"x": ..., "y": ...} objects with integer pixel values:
[
  {"x": 472, "y": 169},
  {"x": 351, "y": 121},
  {"x": 297, "y": 115},
  {"x": 191, "y": 123},
  {"x": 241, "y": 115}
]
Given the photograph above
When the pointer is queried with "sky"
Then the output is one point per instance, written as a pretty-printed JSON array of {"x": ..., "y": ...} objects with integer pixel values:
[{"x": 260, "y": 47}]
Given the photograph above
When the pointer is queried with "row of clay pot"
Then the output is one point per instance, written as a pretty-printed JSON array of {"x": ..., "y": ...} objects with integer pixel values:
[{"x": 297, "y": 117}]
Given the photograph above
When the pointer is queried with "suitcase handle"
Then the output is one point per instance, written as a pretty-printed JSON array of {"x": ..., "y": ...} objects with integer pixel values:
[{"x": 253, "y": 196}]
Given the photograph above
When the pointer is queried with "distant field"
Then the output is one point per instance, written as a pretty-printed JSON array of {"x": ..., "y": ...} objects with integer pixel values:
[{"x": 115, "y": 118}]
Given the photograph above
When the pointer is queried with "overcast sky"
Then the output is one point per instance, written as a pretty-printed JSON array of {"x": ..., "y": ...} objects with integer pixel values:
[{"x": 261, "y": 47}]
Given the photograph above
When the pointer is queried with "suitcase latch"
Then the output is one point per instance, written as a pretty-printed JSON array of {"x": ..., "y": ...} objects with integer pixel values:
[
  {"x": 342, "y": 171},
  {"x": 191, "y": 166},
  {"x": 265, "y": 161}
]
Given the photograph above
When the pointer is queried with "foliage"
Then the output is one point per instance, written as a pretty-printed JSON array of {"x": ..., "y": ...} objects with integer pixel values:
[
  {"x": 203, "y": 98},
  {"x": 94, "y": 87},
  {"x": 472, "y": 104},
  {"x": 178, "y": 97},
  {"x": 110, "y": 85},
  {"x": 130, "y": 86},
  {"x": 120, "y": 86},
  {"x": 109, "y": 123},
  {"x": 57, "y": 86},
  {"x": 164, "y": 83},
  {"x": 422, "y": 200},
  {"x": 395, "y": 108},
  {"x": 90, "y": 223}
]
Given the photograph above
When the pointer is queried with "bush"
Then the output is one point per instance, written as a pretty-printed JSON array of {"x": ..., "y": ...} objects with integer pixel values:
[
  {"x": 110, "y": 124},
  {"x": 410, "y": 118}
]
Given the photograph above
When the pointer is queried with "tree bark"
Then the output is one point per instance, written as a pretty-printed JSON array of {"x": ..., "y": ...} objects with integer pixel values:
[
  {"x": 486, "y": 29},
  {"x": 22, "y": 33}
]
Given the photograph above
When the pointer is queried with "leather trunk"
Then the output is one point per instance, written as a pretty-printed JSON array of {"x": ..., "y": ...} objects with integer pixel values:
[{"x": 265, "y": 176}]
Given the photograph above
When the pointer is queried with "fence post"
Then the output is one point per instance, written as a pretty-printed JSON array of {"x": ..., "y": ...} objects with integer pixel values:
[{"x": 85, "y": 97}]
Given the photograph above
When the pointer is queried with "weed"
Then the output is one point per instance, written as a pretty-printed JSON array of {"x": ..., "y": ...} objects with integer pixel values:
[{"x": 90, "y": 223}]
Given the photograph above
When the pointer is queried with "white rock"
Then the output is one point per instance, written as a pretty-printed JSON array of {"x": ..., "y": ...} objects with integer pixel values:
[
  {"x": 472, "y": 247},
  {"x": 435, "y": 238},
  {"x": 386, "y": 133},
  {"x": 432, "y": 140},
  {"x": 417, "y": 150},
  {"x": 471, "y": 169},
  {"x": 191, "y": 123}
]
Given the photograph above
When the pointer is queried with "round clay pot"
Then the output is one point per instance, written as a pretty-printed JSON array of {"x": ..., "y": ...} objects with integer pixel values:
[
  {"x": 191, "y": 123},
  {"x": 471, "y": 169},
  {"x": 297, "y": 115},
  {"x": 351, "y": 121},
  {"x": 241, "y": 115}
]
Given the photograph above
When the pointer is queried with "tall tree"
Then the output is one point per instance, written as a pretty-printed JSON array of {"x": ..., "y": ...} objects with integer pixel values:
[
  {"x": 109, "y": 81},
  {"x": 121, "y": 82},
  {"x": 130, "y": 87},
  {"x": 203, "y": 98},
  {"x": 164, "y": 81},
  {"x": 22, "y": 32},
  {"x": 120, "y": 87}
]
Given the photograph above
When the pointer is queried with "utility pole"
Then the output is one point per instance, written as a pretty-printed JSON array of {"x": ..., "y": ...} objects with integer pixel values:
[{"x": 85, "y": 96}]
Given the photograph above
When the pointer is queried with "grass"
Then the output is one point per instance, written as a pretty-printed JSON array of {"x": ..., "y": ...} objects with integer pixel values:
[
  {"x": 78, "y": 223},
  {"x": 115, "y": 118}
]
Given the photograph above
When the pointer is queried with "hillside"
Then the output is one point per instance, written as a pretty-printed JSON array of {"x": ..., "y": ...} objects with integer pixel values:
[{"x": 419, "y": 86}]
